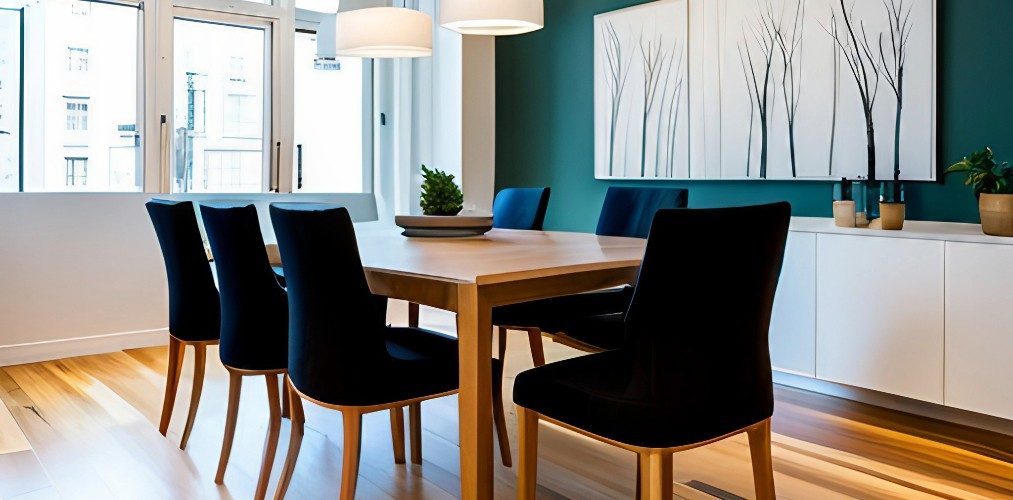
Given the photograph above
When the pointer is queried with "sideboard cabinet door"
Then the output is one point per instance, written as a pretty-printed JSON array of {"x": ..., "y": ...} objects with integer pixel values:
[
  {"x": 979, "y": 328},
  {"x": 879, "y": 314},
  {"x": 793, "y": 322}
]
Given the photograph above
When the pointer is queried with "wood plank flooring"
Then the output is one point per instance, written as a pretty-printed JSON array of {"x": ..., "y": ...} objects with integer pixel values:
[{"x": 87, "y": 428}]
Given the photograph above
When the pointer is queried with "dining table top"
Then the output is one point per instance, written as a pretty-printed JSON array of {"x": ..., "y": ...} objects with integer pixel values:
[{"x": 498, "y": 256}]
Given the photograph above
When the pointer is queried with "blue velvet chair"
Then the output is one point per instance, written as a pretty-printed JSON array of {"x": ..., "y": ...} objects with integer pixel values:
[
  {"x": 694, "y": 363},
  {"x": 520, "y": 208},
  {"x": 254, "y": 331},
  {"x": 194, "y": 316},
  {"x": 587, "y": 321},
  {"x": 341, "y": 354}
]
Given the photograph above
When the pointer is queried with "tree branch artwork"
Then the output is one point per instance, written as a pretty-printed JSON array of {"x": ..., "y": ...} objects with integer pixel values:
[
  {"x": 893, "y": 65},
  {"x": 760, "y": 38},
  {"x": 790, "y": 44},
  {"x": 673, "y": 111},
  {"x": 865, "y": 68},
  {"x": 616, "y": 75},
  {"x": 836, "y": 100},
  {"x": 652, "y": 56}
]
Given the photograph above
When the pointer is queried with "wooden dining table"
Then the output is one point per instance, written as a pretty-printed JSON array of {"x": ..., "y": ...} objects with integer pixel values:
[{"x": 470, "y": 276}]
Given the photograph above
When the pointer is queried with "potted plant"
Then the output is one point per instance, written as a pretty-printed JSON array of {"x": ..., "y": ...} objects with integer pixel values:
[
  {"x": 993, "y": 186},
  {"x": 440, "y": 194}
]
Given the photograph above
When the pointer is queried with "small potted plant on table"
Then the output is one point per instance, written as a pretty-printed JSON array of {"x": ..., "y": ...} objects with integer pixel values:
[
  {"x": 993, "y": 186},
  {"x": 441, "y": 201}
]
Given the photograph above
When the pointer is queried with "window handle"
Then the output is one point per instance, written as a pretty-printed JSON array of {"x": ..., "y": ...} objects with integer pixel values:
[
  {"x": 276, "y": 168},
  {"x": 298, "y": 163}
]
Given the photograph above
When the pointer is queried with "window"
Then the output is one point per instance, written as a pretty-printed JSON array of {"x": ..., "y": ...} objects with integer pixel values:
[
  {"x": 219, "y": 106},
  {"x": 77, "y": 59},
  {"x": 80, "y": 74},
  {"x": 77, "y": 113},
  {"x": 332, "y": 121},
  {"x": 77, "y": 171},
  {"x": 242, "y": 116}
]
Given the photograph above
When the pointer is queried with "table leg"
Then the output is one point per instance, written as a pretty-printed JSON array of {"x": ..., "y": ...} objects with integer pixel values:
[{"x": 474, "y": 332}]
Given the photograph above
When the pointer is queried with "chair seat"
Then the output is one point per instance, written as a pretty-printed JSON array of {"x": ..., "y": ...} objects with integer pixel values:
[
  {"x": 420, "y": 363},
  {"x": 558, "y": 314},
  {"x": 605, "y": 332},
  {"x": 595, "y": 393}
]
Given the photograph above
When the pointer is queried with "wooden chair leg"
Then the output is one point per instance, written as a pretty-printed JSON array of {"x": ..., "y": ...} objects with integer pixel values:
[
  {"x": 350, "y": 453},
  {"x": 763, "y": 465},
  {"x": 231, "y": 415},
  {"x": 413, "y": 314},
  {"x": 294, "y": 443},
  {"x": 200, "y": 352},
  {"x": 271, "y": 441},
  {"x": 415, "y": 431},
  {"x": 176, "y": 348},
  {"x": 499, "y": 418},
  {"x": 527, "y": 455},
  {"x": 501, "y": 334},
  {"x": 537, "y": 351},
  {"x": 397, "y": 433},
  {"x": 655, "y": 470},
  {"x": 284, "y": 397}
]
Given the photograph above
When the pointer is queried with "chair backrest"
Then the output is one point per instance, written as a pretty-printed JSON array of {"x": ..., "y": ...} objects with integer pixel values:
[
  {"x": 520, "y": 208},
  {"x": 193, "y": 299},
  {"x": 628, "y": 211},
  {"x": 254, "y": 306},
  {"x": 335, "y": 330},
  {"x": 698, "y": 323}
]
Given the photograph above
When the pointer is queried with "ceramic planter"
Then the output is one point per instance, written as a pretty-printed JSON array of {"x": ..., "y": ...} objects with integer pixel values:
[
  {"x": 892, "y": 216},
  {"x": 996, "y": 214}
]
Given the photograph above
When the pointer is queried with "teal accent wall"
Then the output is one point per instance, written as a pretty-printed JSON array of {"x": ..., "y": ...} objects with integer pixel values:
[{"x": 545, "y": 116}]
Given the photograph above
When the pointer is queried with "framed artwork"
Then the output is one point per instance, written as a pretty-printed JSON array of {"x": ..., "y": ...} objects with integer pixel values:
[{"x": 775, "y": 89}]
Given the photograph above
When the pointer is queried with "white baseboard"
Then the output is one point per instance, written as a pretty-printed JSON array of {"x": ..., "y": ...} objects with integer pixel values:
[{"x": 19, "y": 354}]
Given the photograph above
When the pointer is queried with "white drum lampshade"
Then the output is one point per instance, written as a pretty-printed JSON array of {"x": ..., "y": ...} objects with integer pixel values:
[
  {"x": 383, "y": 32},
  {"x": 492, "y": 17}
]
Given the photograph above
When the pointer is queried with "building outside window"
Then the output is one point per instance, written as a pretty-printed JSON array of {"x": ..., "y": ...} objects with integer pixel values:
[
  {"x": 77, "y": 59},
  {"x": 77, "y": 113},
  {"x": 237, "y": 69},
  {"x": 80, "y": 8},
  {"x": 242, "y": 116},
  {"x": 77, "y": 171}
]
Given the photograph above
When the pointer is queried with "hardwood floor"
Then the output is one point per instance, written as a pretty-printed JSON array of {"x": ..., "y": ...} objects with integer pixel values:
[{"x": 88, "y": 428}]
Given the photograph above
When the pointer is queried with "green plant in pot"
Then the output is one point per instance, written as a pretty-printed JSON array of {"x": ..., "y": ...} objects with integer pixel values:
[
  {"x": 993, "y": 186},
  {"x": 440, "y": 194}
]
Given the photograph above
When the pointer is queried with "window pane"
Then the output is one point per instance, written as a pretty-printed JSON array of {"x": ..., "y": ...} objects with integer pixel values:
[
  {"x": 80, "y": 69},
  {"x": 328, "y": 121},
  {"x": 219, "y": 102}
]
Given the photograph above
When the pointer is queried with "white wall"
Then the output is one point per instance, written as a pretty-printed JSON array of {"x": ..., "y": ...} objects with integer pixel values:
[
  {"x": 83, "y": 273},
  {"x": 440, "y": 112}
]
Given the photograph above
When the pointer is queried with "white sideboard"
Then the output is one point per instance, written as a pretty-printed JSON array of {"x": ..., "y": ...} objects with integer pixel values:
[{"x": 925, "y": 313}]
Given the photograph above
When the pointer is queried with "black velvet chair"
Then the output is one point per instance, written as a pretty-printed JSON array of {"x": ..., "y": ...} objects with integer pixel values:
[
  {"x": 341, "y": 354},
  {"x": 587, "y": 321},
  {"x": 520, "y": 208},
  {"x": 194, "y": 316},
  {"x": 694, "y": 366},
  {"x": 254, "y": 333}
]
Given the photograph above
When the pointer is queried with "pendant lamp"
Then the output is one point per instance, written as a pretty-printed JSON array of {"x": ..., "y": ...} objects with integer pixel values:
[
  {"x": 383, "y": 32},
  {"x": 492, "y": 17}
]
